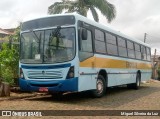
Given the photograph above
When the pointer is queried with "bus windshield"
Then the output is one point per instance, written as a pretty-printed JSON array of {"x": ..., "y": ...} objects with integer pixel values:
[{"x": 48, "y": 46}]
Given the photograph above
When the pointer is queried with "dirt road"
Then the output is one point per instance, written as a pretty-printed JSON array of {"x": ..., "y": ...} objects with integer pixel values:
[{"x": 121, "y": 98}]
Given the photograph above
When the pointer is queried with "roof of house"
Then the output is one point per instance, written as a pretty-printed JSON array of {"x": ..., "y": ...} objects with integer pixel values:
[{"x": 6, "y": 32}]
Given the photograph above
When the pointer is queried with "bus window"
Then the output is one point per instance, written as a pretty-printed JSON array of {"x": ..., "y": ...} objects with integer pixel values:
[
  {"x": 137, "y": 51},
  {"x": 99, "y": 42},
  {"x": 86, "y": 49},
  {"x": 121, "y": 42},
  {"x": 143, "y": 51},
  {"x": 130, "y": 47},
  {"x": 148, "y": 54},
  {"x": 122, "y": 47},
  {"x": 111, "y": 39},
  {"x": 59, "y": 48},
  {"x": 111, "y": 44}
]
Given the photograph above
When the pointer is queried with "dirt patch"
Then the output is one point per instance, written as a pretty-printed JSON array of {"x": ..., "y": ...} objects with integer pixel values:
[
  {"x": 22, "y": 95},
  {"x": 120, "y": 98}
]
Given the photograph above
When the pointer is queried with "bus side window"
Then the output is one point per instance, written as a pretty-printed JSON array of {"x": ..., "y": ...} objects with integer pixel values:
[
  {"x": 86, "y": 49},
  {"x": 148, "y": 54},
  {"x": 137, "y": 51},
  {"x": 86, "y": 45},
  {"x": 111, "y": 44},
  {"x": 100, "y": 46},
  {"x": 130, "y": 47},
  {"x": 144, "y": 56},
  {"x": 122, "y": 47}
]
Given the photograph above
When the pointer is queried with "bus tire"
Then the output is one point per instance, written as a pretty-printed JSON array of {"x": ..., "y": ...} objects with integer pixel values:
[
  {"x": 100, "y": 87},
  {"x": 137, "y": 84}
]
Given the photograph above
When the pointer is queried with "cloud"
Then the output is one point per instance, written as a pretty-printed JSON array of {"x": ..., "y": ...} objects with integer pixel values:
[
  {"x": 134, "y": 17},
  {"x": 14, "y": 11}
]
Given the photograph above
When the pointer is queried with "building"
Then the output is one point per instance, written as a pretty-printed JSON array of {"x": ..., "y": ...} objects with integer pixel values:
[
  {"x": 155, "y": 66},
  {"x": 4, "y": 33},
  {"x": 155, "y": 59}
]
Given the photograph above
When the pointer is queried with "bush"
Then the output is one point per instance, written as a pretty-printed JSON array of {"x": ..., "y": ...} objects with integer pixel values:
[
  {"x": 9, "y": 60},
  {"x": 7, "y": 76},
  {"x": 8, "y": 64}
]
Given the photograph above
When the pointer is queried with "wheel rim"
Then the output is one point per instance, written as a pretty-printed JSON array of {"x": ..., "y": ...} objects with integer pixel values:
[{"x": 99, "y": 86}]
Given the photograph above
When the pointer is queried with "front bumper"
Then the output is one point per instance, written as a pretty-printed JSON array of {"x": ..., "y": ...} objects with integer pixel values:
[{"x": 53, "y": 85}]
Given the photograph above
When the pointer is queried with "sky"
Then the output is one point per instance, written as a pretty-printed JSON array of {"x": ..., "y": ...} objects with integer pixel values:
[{"x": 133, "y": 17}]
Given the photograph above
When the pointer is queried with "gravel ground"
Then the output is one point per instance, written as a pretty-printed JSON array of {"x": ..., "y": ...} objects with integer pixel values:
[{"x": 120, "y": 98}]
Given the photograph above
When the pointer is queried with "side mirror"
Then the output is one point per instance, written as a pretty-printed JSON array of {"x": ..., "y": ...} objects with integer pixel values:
[{"x": 84, "y": 34}]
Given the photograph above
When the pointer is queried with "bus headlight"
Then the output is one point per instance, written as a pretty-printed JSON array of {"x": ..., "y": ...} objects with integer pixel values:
[
  {"x": 21, "y": 73},
  {"x": 70, "y": 73}
]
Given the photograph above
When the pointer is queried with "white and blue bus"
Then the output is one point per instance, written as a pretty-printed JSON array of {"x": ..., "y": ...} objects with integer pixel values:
[{"x": 70, "y": 53}]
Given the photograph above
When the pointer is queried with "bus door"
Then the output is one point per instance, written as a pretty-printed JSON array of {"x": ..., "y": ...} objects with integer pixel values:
[{"x": 86, "y": 58}]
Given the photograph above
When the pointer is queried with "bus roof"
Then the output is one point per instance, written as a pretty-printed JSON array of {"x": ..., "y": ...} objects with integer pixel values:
[
  {"x": 102, "y": 26},
  {"x": 94, "y": 23}
]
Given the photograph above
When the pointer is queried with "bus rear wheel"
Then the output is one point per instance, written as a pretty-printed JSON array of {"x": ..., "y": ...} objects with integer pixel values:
[
  {"x": 137, "y": 84},
  {"x": 100, "y": 87}
]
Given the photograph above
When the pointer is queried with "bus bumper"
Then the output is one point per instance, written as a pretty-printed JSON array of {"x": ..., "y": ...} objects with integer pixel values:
[{"x": 52, "y": 86}]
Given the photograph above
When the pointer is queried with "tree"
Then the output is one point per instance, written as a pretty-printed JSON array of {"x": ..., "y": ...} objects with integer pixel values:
[
  {"x": 82, "y": 7},
  {"x": 9, "y": 59}
]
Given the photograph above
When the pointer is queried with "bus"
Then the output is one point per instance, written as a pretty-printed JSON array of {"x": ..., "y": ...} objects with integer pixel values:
[{"x": 70, "y": 53}]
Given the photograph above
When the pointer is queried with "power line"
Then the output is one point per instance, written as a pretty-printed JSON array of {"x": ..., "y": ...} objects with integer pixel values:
[
  {"x": 153, "y": 36},
  {"x": 153, "y": 43},
  {"x": 145, "y": 35}
]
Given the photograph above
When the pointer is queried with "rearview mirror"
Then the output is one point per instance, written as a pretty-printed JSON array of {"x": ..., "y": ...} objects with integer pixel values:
[{"x": 84, "y": 34}]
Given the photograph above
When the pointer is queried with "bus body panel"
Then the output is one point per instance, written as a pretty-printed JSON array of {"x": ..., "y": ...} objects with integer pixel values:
[
  {"x": 119, "y": 70},
  {"x": 87, "y": 78},
  {"x": 51, "y": 85},
  {"x": 50, "y": 76}
]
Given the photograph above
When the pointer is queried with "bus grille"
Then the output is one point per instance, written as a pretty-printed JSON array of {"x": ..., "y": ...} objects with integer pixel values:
[{"x": 45, "y": 74}]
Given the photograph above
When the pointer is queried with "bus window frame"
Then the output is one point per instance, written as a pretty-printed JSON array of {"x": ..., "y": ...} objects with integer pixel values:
[
  {"x": 92, "y": 28},
  {"x": 83, "y": 25},
  {"x": 104, "y": 40}
]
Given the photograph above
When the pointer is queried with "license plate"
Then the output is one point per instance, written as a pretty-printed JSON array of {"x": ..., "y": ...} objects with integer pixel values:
[{"x": 43, "y": 89}]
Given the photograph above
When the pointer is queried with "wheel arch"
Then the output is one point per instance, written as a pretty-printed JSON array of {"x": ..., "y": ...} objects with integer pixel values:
[
  {"x": 139, "y": 72},
  {"x": 103, "y": 73}
]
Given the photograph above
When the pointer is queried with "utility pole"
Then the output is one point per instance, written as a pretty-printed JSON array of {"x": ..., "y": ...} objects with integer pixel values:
[
  {"x": 154, "y": 64},
  {"x": 145, "y": 35}
]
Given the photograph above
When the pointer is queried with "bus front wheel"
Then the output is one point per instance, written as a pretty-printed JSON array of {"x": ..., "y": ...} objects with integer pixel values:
[{"x": 100, "y": 87}]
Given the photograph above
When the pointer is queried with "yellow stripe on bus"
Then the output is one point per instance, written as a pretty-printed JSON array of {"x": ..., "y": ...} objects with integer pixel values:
[{"x": 113, "y": 63}]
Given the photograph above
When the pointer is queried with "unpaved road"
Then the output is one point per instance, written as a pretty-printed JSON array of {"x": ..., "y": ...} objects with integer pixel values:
[{"x": 121, "y": 98}]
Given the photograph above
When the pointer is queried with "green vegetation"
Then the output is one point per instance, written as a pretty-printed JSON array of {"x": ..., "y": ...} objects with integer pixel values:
[
  {"x": 9, "y": 58},
  {"x": 83, "y": 6}
]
